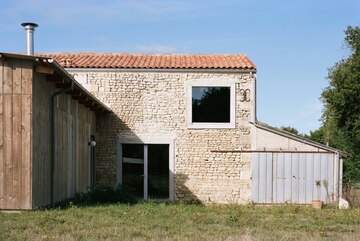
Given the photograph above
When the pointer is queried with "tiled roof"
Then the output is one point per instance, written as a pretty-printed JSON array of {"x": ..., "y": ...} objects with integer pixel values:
[{"x": 152, "y": 61}]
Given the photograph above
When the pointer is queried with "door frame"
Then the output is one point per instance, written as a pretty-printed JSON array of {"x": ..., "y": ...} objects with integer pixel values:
[{"x": 147, "y": 141}]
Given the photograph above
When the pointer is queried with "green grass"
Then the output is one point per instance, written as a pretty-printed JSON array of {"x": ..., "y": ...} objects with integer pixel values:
[{"x": 160, "y": 221}]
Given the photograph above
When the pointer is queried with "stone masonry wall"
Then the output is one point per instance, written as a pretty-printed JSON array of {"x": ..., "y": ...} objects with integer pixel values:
[{"x": 153, "y": 105}]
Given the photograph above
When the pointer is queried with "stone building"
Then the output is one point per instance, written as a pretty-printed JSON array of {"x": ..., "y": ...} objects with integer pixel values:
[
  {"x": 154, "y": 127},
  {"x": 184, "y": 127}
]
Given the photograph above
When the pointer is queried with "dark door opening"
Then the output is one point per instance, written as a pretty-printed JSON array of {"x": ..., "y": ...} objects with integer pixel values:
[{"x": 145, "y": 168}]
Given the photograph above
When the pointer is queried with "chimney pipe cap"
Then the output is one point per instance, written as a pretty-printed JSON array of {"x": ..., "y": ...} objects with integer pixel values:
[{"x": 30, "y": 25}]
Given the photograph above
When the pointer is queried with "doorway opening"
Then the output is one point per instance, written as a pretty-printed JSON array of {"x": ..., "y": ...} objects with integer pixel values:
[{"x": 145, "y": 168}]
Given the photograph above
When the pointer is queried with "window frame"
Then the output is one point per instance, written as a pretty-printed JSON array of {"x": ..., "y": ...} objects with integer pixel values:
[{"x": 211, "y": 83}]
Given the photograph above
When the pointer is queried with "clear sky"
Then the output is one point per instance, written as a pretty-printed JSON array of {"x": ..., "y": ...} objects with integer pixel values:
[{"x": 293, "y": 43}]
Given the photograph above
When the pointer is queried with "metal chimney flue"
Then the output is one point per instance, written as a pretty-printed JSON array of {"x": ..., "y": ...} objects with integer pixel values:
[{"x": 29, "y": 28}]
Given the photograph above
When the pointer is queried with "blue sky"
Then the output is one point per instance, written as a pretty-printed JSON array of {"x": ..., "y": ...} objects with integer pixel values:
[{"x": 293, "y": 43}]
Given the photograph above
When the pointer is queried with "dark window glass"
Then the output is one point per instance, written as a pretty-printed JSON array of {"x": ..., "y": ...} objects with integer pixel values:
[
  {"x": 133, "y": 167},
  {"x": 158, "y": 171},
  {"x": 211, "y": 104}
]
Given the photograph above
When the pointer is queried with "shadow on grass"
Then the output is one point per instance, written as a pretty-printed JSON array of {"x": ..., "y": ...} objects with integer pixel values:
[{"x": 121, "y": 194}]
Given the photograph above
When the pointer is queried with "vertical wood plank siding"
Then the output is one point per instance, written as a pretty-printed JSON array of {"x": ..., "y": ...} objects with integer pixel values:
[
  {"x": 294, "y": 177},
  {"x": 1, "y": 134},
  {"x": 25, "y": 139},
  {"x": 15, "y": 134},
  {"x": 72, "y": 150}
]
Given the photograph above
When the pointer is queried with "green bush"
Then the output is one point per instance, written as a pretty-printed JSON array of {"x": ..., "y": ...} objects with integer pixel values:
[{"x": 119, "y": 194}]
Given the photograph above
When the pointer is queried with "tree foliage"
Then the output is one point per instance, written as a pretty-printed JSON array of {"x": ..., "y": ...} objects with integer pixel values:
[
  {"x": 341, "y": 100},
  {"x": 290, "y": 130}
]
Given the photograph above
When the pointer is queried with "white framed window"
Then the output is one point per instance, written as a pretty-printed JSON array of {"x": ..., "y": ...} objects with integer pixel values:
[{"x": 211, "y": 104}]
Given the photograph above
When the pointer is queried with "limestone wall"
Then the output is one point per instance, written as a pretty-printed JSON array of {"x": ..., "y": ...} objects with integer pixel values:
[{"x": 153, "y": 105}]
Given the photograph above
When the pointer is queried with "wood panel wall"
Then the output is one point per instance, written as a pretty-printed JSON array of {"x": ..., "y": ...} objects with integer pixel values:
[
  {"x": 41, "y": 139},
  {"x": 25, "y": 139},
  {"x": 74, "y": 125},
  {"x": 15, "y": 134}
]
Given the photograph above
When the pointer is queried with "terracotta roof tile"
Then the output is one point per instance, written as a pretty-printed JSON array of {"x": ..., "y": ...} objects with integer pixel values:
[{"x": 152, "y": 61}]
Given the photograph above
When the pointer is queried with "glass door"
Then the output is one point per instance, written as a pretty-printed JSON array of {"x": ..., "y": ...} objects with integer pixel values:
[
  {"x": 158, "y": 171},
  {"x": 146, "y": 169},
  {"x": 133, "y": 167}
]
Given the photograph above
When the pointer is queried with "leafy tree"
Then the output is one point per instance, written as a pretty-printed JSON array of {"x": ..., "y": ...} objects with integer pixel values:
[
  {"x": 341, "y": 100},
  {"x": 319, "y": 135},
  {"x": 290, "y": 130}
]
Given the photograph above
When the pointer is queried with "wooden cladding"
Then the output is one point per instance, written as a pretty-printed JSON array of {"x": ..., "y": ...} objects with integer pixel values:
[
  {"x": 75, "y": 123},
  {"x": 15, "y": 134},
  {"x": 25, "y": 136}
]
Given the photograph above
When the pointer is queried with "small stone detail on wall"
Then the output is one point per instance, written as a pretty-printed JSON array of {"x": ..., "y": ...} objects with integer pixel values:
[
  {"x": 245, "y": 146},
  {"x": 245, "y": 130},
  {"x": 244, "y": 95},
  {"x": 244, "y": 113},
  {"x": 245, "y": 78}
]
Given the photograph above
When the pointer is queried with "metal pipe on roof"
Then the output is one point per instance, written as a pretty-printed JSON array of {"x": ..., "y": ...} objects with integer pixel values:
[{"x": 30, "y": 28}]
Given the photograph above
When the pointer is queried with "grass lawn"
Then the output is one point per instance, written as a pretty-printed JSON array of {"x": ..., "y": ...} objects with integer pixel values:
[{"x": 160, "y": 221}]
